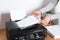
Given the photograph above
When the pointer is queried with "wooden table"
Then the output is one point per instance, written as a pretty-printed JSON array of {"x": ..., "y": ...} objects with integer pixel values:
[
  {"x": 50, "y": 38},
  {"x": 3, "y": 34}
]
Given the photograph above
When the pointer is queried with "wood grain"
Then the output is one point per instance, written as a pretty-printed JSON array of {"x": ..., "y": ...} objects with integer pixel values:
[{"x": 3, "y": 34}]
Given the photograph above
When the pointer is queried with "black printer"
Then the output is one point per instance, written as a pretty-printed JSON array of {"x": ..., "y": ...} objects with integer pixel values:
[{"x": 34, "y": 32}]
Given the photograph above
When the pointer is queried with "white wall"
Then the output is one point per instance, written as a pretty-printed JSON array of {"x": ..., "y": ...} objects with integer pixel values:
[
  {"x": 11, "y": 4},
  {"x": 7, "y": 5},
  {"x": 5, "y": 17},
  {"x": 57, "y": 8}
]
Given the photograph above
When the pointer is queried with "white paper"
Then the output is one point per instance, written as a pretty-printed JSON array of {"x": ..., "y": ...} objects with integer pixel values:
[
  {"x": 50, "y": 6},
  {"x": 17, "y": 14},
  {"x": 54, "y": 31},
  {"x": 55, "y": 16},
  {"x": 31, "y": 20}
]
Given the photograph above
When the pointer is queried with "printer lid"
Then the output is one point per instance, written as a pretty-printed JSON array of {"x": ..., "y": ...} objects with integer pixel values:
[{"x": 17, "y": 14}]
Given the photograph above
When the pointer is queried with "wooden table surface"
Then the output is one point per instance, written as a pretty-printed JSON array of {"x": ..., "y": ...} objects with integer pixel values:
[
  {"x": 50, "y": 38},
  {"x": 3, "y": 36}
]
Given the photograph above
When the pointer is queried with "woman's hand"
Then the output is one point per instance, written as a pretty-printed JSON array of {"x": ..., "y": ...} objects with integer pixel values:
[
  {"x": 36, "y": 13},
  {"x": 45, "y": 19}
]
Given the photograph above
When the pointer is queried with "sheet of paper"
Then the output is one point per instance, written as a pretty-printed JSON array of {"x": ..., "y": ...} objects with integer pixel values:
[
  {"x": 54, "y": 31},
  {"x": 55, "y": 16},
  {"x": 17, "y": 14},
  {"x": 47, "y": 8},
  {"x": 50, "y": 6},
  {"x": 30, "y": 20}
]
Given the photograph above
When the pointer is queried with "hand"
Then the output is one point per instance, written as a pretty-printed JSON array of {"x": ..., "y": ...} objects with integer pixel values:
[
  {"x": 36, "y": 13},
  {"x": 45, "y": 20}
]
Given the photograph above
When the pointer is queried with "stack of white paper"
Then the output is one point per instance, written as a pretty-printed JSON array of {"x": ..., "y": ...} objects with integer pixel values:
[
  {"x": 30, "y": 20},
  {"x": 54, "y": 31},
  {"x": 17, "y": 14}
]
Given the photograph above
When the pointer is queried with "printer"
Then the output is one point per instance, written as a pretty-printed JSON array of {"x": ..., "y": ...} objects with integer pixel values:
[
  {"x": 25, "y": 29},
  {"x": 34, "y": 32}
]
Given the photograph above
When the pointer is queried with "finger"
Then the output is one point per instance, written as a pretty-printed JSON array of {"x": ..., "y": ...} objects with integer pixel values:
[{"x": 46, "y": 20}]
